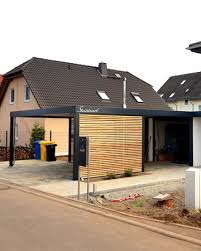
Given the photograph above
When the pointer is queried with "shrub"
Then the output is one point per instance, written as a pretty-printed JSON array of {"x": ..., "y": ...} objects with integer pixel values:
[
  {"x": 128, "y": 172},
  {"x": 111, "y": 176},
  {"x": 38, "y": 133}
]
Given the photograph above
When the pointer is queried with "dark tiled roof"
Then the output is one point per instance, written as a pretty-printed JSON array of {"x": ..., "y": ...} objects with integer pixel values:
[
  {"x": 1, "y": 79},
  {"x": 19, "y": 68},
  {"x": 195, "y": 47},
  {"x": 56, "y": 84},
  {"x": 191, "y": 89}
]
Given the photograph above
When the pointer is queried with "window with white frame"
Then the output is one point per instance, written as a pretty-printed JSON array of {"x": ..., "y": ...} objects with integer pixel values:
[
  {"x": 172, "y": 94},
  {"x": 27, "y": 93},
  {"x": 12, "y": 96},
  {"x": 137, "y": 97},
  {"x": 183, "y": 82},
  {"x": 103, "y": 95}
]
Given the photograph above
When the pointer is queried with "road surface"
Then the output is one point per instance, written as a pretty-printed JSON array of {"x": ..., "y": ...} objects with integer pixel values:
[{"x": 32, "y": 223}]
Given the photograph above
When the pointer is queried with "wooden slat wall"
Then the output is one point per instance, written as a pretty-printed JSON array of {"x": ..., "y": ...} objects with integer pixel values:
[{"x": 115, "y": 143}]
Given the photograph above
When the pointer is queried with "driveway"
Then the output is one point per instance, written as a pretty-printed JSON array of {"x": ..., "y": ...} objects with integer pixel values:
[
  {"x": 56, "y": 177},
  {"x": 29, "y": 222}
]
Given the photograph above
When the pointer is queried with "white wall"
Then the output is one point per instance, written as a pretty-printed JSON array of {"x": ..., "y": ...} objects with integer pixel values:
[
  {"x": 196, "y": 141},
  {"x": 181, "y": 106}
]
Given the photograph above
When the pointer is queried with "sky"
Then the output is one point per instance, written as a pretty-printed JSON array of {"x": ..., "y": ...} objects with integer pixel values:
[{"x": 146, "y": 38}]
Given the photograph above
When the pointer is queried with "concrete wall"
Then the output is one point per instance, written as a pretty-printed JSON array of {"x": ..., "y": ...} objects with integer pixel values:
[
  {"x": 197, "y": 141},
  {"x": 181, "y": 106}
]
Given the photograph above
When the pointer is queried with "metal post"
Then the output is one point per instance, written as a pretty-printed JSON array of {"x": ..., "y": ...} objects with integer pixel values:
[
  {"x": 191, "y": 142},
  {"x": 76, "y": 169},
  {"x": 50, "y": 135},
  {"x": 69, "y": 139},
  {"x": 88, "y": 169},
  {"x": 12, "y": 142}
]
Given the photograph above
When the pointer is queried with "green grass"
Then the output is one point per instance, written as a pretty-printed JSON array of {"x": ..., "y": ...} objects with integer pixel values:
[{"x": 137, "y": 204}]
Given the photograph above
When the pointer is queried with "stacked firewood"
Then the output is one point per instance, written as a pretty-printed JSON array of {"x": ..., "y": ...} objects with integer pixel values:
[
  {"x": 4, "y": 151},
  {"x": 21, "y": 152}
]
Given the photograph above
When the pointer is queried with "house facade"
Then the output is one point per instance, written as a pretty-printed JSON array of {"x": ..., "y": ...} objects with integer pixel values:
[
  {"x": 17, "y": 97},
  {"x": 183, "y": 92},
  {"x": 126, "y": 121},
  {"x": 41, "y": 83}
]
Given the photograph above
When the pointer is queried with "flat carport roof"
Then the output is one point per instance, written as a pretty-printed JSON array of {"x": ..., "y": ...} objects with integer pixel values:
[
  {"x": 74, "y": 111},
  {"x": 71, "y": 111}
]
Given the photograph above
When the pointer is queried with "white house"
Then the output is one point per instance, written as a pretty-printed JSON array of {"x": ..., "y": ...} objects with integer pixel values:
[{"x": 183, "y": 92}]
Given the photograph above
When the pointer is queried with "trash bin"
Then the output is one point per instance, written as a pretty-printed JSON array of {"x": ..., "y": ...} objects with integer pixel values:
[
  {"x": 37, "y": 149},
  {"x": 50, "y": 150},
  {"x": 43, "y": 151}
]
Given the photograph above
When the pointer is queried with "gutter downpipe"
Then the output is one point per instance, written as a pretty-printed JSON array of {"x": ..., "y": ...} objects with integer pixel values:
[
  {"x": 192, "y": 105},
  {"x": 176, "y": 106}
]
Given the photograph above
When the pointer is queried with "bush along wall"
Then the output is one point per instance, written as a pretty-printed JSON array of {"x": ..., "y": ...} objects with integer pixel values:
[{"x": 21, "y": 152}]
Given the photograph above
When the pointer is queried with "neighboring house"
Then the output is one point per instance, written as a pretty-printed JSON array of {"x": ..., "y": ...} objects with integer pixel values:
[
  {"x": 41, "y": 83},
  {"x": 183, "y": 92}
]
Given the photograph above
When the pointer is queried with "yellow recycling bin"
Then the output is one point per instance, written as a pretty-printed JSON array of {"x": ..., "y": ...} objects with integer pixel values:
[{"x": 43, "y": 151}]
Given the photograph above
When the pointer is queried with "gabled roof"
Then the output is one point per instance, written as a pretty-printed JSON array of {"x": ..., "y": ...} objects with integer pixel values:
[
  {"x": 190, "y": 89},
  {"x": 57, "y": 84}
]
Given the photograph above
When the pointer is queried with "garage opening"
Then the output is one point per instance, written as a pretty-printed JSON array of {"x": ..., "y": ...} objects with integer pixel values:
[{"x": 168, "y": 140}]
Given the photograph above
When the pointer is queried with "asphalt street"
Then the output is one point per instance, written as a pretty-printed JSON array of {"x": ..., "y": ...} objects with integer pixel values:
[{"x": 32, "y": 223}]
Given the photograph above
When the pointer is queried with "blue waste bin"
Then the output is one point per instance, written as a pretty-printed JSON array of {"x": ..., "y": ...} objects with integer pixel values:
[{"x": 37, "y": 149}]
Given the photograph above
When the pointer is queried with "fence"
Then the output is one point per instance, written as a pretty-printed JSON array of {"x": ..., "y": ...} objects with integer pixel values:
[{"x": 23, "y": 150}]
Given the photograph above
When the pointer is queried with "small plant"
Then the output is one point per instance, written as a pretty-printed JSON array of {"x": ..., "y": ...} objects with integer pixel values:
[
  {"x": 137, "y": 204},
  {"x": 128, "y": 172},
  {"x": 111, "y": 176},
  {"x": 38, "y": 133}
]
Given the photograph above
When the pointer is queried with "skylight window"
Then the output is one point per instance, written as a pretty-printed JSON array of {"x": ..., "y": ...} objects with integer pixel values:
[
  {"x": 103, "y": 95},
  {"x": 187, "y": 90},
  {"x": 117, "y": 75},
  {"x": 171, "y": 95},
  {"x": 137, "y": 97},
  {"x": 183, "y": 82}
]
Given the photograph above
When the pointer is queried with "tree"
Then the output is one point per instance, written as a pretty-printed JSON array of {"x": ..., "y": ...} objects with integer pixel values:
[{"x": 38, "y": 133}]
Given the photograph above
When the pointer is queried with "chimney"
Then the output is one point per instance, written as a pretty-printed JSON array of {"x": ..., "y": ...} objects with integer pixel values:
[{"x": 102, "y": 67}]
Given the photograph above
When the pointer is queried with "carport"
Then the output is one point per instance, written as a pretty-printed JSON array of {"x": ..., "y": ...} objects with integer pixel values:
[{"x": 119, "y": 138}]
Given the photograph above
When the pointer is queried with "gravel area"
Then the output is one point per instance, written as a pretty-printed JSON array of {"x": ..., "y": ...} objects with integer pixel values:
[
  {"x": 153, "y": 190},
  {"x": 146, "y": 206}
]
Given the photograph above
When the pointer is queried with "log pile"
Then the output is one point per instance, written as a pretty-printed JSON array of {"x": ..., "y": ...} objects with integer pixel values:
[{"x": 21, "y": 152}]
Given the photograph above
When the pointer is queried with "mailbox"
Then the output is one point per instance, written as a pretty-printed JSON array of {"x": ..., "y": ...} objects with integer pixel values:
[{"x": 83, "y": 151}]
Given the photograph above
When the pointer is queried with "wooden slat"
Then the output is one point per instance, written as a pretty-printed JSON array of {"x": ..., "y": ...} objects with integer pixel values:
[{"x": 115, "y": 143}]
